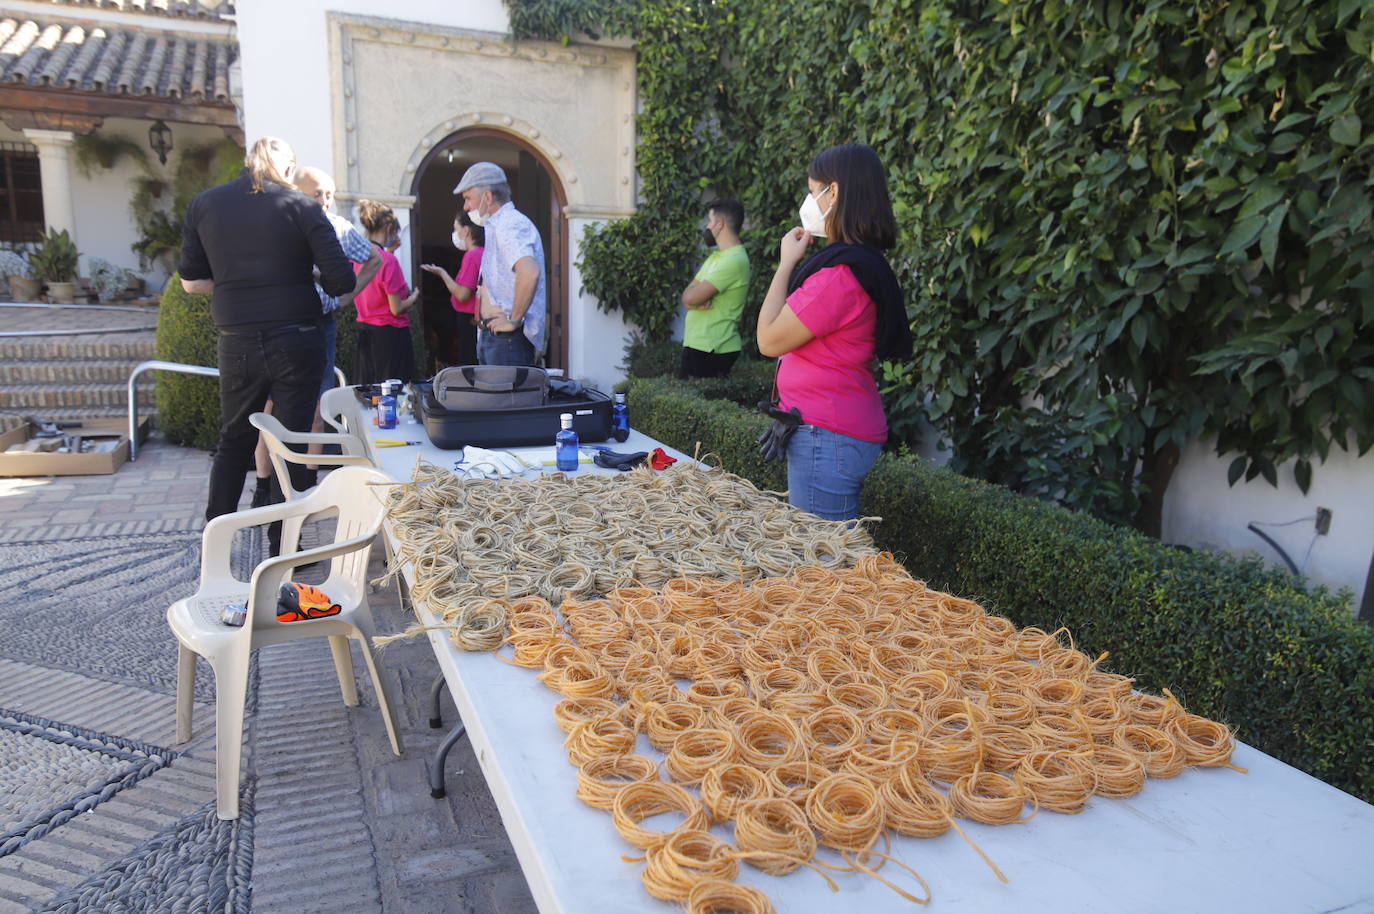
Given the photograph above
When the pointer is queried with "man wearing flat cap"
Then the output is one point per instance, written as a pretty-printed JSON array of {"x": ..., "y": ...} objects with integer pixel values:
[{"x": 512, "y": 298}]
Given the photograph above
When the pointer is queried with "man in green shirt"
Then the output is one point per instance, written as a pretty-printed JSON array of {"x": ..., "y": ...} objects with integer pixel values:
[{"x": 715, "y": 298}]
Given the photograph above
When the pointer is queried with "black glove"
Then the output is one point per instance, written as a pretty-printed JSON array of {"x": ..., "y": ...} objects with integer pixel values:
[
  {"x": 773, "y": 441},
  {"x": 613, "y": 460}
]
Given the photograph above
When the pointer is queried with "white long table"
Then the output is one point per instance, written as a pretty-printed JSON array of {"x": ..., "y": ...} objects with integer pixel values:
[{"x": 1214, "y": 840}]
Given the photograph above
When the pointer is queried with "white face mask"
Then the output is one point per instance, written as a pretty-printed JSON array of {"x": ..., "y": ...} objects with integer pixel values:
[
  {"x": 812, "y": 219},
  {"x": 458, "y": 242},
  {"x": 478, "y": 217}
]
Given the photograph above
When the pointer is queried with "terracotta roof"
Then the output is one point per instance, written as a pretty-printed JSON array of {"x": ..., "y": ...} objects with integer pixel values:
[
  {"x": 117, "y": 61},
  {"x": 193, "y": 9}
]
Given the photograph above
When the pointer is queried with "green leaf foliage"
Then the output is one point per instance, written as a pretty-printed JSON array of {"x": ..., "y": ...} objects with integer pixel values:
[
  {"x": 1236, "y": 641},
  {"x": 1125, "y": 224},
  {"x": 187, "y": 405}
]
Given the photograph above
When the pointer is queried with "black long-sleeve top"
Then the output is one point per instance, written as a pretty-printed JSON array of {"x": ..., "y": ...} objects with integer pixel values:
[{"x": 261, "y": 250}]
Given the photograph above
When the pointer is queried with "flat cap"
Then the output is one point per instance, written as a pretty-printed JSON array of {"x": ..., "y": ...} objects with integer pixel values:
[{"x": 483, "y": 174}]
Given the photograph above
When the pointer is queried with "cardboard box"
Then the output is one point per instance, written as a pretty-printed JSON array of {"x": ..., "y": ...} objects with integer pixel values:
[{"x": 70, "y": 464}]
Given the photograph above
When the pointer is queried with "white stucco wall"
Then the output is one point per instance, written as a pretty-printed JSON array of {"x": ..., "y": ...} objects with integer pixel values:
[
  {"x": 1202, "y": 511},
  {"x": 367, "y": 92},
  {"x": 596, "y": 341},
  {"x": 284, "y": 55},
  {"x": 104, "y": 226}
]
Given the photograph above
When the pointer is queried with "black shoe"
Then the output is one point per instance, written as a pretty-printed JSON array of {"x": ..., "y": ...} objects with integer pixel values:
[{"x": 262, "y": 495}]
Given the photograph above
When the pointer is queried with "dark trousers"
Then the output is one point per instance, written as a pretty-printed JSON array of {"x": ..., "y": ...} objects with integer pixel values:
[
  {"x": 282, "y": 364},
  {"x": 384, "y": 353},
  {"x": 699, "y": 364}
]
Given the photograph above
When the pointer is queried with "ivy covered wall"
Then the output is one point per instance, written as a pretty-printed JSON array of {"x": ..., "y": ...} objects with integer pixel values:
[{"x": 1125, "y": 223}]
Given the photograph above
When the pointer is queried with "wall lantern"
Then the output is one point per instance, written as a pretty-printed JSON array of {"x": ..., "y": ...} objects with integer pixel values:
[{"x": 160, "y": 139}]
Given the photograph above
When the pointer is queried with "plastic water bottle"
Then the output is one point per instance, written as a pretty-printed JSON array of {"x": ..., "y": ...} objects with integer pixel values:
[
  {"x": 565, "y": 452},
  {"x": 620, "y": 417},
  {"x": 386, "y": 408}
]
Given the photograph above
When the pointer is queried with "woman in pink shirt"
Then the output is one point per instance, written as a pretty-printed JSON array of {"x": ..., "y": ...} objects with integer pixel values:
[
  {"x": 469, "y": 238},
  {"x": 384, "y": 346},
  {"x": 830, "y": 318}
]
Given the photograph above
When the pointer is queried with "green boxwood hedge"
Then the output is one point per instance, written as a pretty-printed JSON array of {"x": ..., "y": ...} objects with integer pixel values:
[
  {"x": 187, "y": 405},
  {"x": 1234, "y": 640}
]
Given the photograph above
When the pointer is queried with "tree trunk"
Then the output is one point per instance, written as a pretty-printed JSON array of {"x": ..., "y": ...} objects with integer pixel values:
[{"x": 1157, "y": 468}]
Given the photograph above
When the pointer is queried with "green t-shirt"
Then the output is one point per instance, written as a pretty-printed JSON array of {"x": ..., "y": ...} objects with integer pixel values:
[{"x": 716, "y": 329}]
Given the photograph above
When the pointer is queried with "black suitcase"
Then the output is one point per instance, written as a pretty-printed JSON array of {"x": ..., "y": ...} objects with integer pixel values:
[{"x": 528, "y": 426}]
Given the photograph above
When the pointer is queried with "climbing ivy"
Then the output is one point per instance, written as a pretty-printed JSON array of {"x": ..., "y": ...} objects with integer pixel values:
[{"x": 1126, "y": 224}]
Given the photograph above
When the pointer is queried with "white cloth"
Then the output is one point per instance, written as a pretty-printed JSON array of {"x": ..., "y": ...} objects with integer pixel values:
[
  {"x": 511, "y": 236},
  {"x": 480, "y": 463}
]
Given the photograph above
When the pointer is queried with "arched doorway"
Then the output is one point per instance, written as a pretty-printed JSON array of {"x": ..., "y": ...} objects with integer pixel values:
[{"x": 535, "y": 191}]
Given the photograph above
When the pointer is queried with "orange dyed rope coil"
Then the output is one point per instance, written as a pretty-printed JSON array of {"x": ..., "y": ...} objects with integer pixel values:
[
  {"x": 640, "y": 800},
  {"x": 684, "y": 860},
  {"x": 602, "y": 778},
  {"x": 832, "y": 708},
  {"x": 717, "y": 897}
]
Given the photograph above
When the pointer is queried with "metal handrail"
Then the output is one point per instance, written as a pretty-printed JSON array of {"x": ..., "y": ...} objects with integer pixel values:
[{"x": 159, "y": 365}]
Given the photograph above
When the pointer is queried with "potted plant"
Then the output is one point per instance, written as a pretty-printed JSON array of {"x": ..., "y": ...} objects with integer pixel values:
[
  {"x": 18, "y": 272},
  {"x": 105, "y": 150},
  {"x": 55, "y": 262},
  {"x": 107, "y": 281}
]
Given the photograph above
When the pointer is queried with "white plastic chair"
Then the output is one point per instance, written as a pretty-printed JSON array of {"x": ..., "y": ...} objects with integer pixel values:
[
  {"x": 277, "y": 436},
  {"x": 196, "y": 620},
  {"x": 340, "y": 408}
]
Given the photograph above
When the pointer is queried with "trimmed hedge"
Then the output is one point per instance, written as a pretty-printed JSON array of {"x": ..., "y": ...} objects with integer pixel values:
[
  {"x": 1236, "y": 641},
  {"x": 187, "y": 405}
]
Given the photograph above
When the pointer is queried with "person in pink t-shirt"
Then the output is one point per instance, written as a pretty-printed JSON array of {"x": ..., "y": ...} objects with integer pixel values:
[
  {"x": 829, "y": 319},
  {"x": 469, "y": 238},
  {"x": 385, "y": 349}
]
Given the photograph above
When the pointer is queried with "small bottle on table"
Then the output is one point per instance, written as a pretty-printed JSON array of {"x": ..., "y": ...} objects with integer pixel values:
[
  {"x": 565, "y": 451},
  {"x": 386, "y": 408},
  {"x": 620, "y": 418}
]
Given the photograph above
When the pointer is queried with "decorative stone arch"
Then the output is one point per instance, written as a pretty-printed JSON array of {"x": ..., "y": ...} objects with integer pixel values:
[
  {"x": 523, "y": 136},
  {"x": 520, "y": 132},
  {"x": 576, "y": 109}
]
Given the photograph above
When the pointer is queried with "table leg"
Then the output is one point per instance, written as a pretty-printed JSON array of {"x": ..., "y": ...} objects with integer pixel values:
[
  {"x": 436, "y": 767},
  {"x": 436, "y": 717}
]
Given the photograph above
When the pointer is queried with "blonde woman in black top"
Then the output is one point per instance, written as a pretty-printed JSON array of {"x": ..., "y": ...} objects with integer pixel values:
[{"x": 255, "y": 245}]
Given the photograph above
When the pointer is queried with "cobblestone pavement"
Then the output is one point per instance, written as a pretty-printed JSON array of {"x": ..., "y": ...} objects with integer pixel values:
[{"x": 333, "y": 821}]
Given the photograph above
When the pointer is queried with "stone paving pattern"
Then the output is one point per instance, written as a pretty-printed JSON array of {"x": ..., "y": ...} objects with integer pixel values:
[{"x": 341, "y": 824}]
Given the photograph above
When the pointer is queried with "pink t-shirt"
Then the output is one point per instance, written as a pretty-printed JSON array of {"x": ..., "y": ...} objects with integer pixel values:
[
  {"x": 830, "y": 378},
  {"x": 467, "y": 276},
  {"x": 373, "y": 306}
]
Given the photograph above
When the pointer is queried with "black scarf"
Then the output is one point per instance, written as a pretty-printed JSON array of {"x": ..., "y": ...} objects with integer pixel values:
[{"x": 892, "y": 332}]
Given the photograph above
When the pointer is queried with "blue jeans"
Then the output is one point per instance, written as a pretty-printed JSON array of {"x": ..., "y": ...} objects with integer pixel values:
[
  {"x": 331, "y": 336},
  {"x": 512, "y": 348},
  {"x": 282, "y": 364},
  {"x": 825, "y": 471}
]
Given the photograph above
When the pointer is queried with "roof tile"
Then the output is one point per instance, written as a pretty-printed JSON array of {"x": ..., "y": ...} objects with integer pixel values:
[
  {"x": 115, "y": 60},
  {"x": 186, "y": 9}
]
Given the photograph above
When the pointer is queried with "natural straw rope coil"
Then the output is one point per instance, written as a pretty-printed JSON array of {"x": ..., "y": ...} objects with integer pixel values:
[{"x": 472, "y": 543}]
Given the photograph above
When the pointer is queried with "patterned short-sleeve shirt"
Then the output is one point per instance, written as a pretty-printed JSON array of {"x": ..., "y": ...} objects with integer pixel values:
[
  {"x": 355, "y": 247},
  {"x": 510, "y": 235}
]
